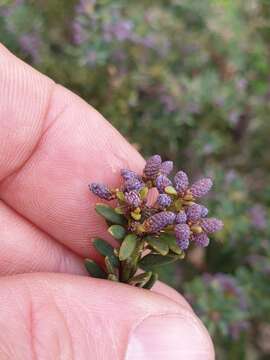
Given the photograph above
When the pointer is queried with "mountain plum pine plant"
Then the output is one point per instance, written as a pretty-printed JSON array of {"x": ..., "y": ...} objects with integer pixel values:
[{"x": 152, "y": 230}]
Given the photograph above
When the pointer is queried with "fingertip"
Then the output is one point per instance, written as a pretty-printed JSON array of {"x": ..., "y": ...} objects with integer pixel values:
[
  {"x": 117, "y": 320},
  {"x": 170, "y": 336},
  {"x": 174, "y": 334},
  {"x": 172, "y": 294}
]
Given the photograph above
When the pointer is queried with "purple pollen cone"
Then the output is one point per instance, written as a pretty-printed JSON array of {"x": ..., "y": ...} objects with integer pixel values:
[
  {"x": 201, "y": 239},
  {"x": 182, "y": 231},
  {"x": 129, "y": 174},
  {"x": 164, "y": 201},
  {"x": 182, "y": 234},
  {"x": 194, "y": 212},
  {"x": 204, "y": 211},
  {"x": 133, "y": 199},
  {"x": 159, "y": 221},
  {"x": 183, "y": 244},
  {"x": 181, "y": 181},
  {"x": 162, "y": 182},
  {"x": 166, "y": 167},
  {"x": 201, "y": 187},
  {"x": 152, "y": 167},
  {"x": 211, "y": 225},
  {"x": 101, "y": 191},
  {"x": 181, "y": 217},
  {"x": 133, "y": 184}
]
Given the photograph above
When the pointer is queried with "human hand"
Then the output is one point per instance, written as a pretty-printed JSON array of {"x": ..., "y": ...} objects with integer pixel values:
[{"x": 52, "y": 145}]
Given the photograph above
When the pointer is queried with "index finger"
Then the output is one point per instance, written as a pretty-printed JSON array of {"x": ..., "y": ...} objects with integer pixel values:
[{"x": 55, "y": 144}]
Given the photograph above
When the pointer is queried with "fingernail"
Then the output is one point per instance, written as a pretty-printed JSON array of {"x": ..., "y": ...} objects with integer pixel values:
[{"x": 170, "y": 337}]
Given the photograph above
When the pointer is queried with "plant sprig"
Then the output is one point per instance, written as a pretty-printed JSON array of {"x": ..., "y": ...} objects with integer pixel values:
[{"x": 150, "y": 232}]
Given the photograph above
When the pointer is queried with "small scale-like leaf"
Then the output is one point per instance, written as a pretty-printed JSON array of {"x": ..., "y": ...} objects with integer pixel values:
[
  {"x": 112, "y": 277},
  {"x": 152, "y": 260},
  {"x": 140, "y": 280},
  {"x": 151, "y": 281},
  {"x": 120, "y": 196},
  {"x": 127, "y": 247},
  {"x": 94, "y": 269},
  {"x": 170, "y": 190},
  {"x": 188, "y": 197},
  {"x": 110, "y": 215},
  {"x": 117, "y": 231},
  {"x": 178, "y": 204},
  {"x": 129, "y": 267},
  {"x": 196, "y": 229},
  {"x": 188, "y": 203},
  {"x": 143, "y": 192},
  {"x": 170, "y": 240},
  {"x": 119, "y": 210},
  {"x": 158, "y": 245},
  {"x": 110, "y": 265},
  {"x": 105, "y": 249},
  {"x": 136, "y": 216}
]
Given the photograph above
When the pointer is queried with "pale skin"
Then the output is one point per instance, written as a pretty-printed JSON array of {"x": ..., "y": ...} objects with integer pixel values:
[{"x": 52, "y": 145}]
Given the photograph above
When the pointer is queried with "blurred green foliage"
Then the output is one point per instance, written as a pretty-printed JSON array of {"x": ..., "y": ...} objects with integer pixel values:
[{"x": 188, "y": 79}]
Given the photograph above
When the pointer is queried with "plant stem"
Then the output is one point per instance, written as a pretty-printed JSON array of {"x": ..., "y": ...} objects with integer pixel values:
[{"x": 128, "y": 268}]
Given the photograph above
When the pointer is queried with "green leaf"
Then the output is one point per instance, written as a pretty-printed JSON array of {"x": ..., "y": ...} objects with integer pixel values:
[
  {"x": 110, "y": 215},
  {"x": 143, "y": 192},
  {"x": 171, "y": 242},
  {"x": 120, "y": 196},
  {"x": 151, "y": 260},
  {"x": 129, "y": 267},
  {"x": 158, "y": 245},
  {"x": 119, "y": 210},
  {"x": 135, "y": 215},
  {"x": 112, "y": 277},
  {"x": 178, "y": 204},
  {"x": 105, "y": 249},
  {"x": 117, "y": 231},
  {"x": 170, "y": 190},
  {"x": 94, "y": 269},
  {"x": 110, "y": 265},
  {"x": 140, "y": 280},
  {"x": 151, "y": 281},
  {"x": 127, "y": 247}
]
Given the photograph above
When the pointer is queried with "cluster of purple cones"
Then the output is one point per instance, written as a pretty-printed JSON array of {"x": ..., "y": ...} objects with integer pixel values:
[{"x": 174, "y": 210}]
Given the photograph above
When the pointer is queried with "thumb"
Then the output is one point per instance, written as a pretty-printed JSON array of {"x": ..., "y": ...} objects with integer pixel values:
[{"x": 57, "y": 316}]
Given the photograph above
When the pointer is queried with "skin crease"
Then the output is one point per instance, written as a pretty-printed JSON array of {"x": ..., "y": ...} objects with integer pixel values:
[{"x": 53, "y": 145}]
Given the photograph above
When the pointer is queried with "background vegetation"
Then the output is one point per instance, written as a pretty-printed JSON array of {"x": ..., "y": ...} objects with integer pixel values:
[{"x": 189, "y": 79}]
